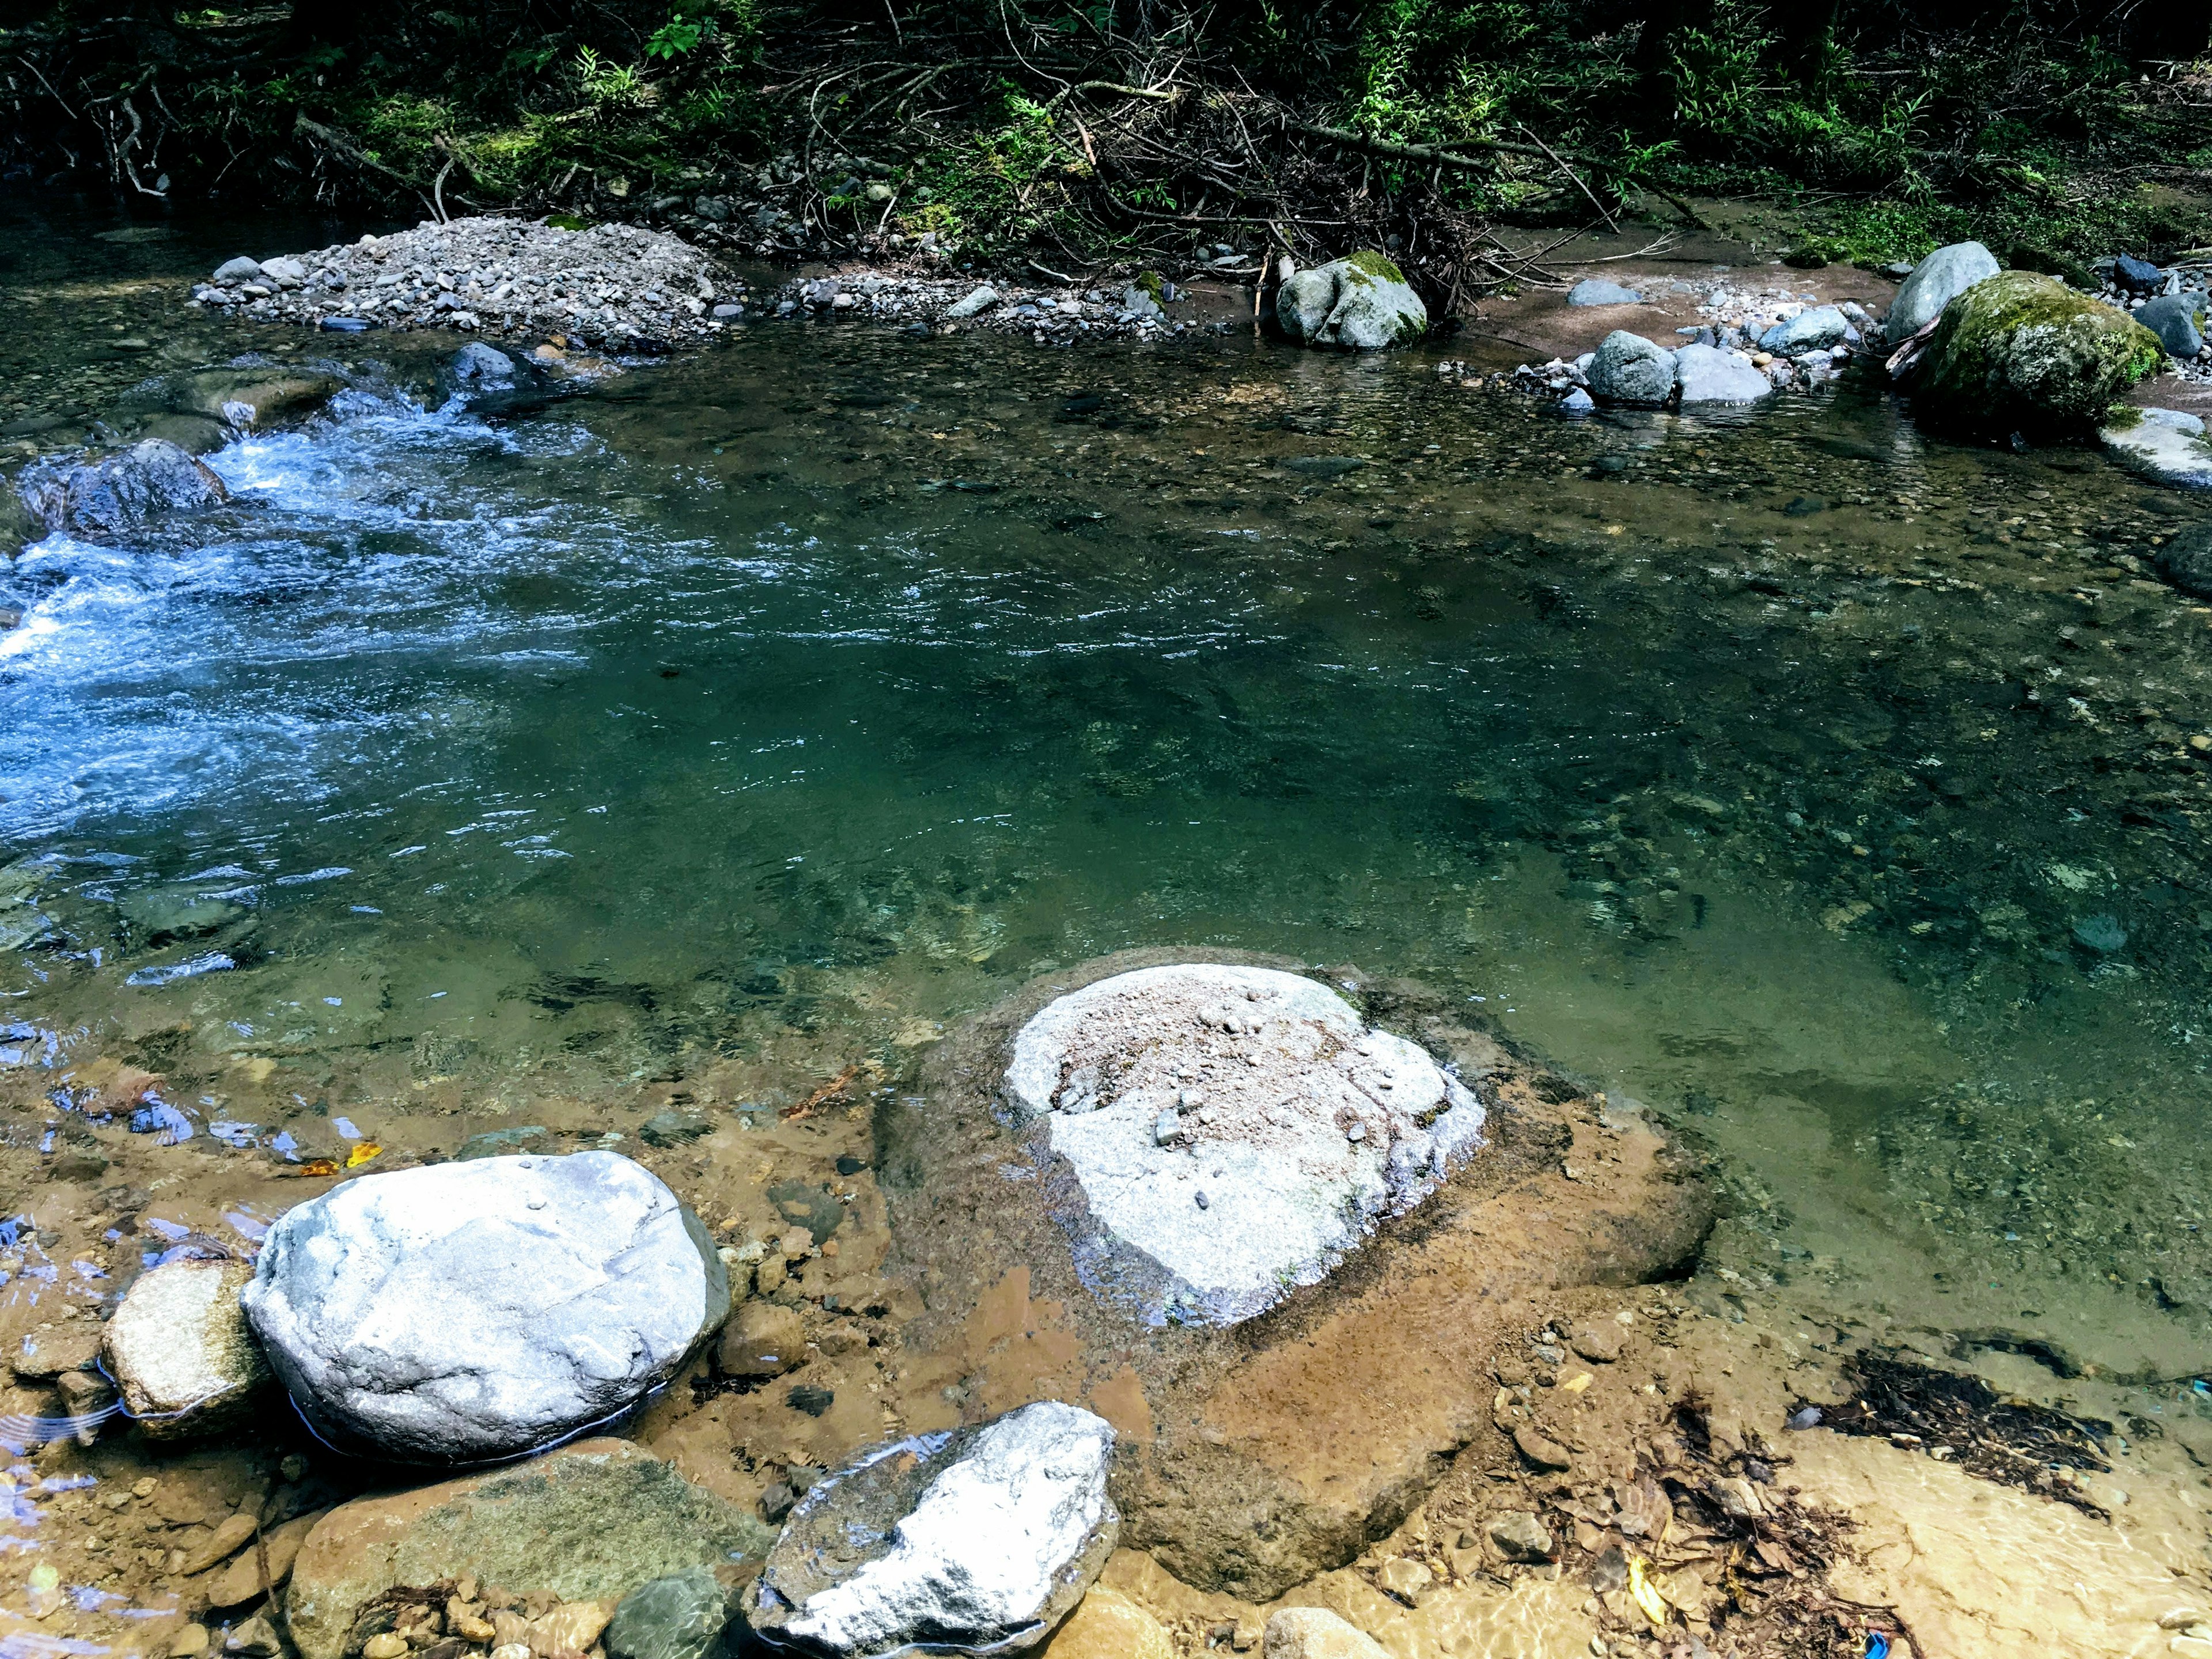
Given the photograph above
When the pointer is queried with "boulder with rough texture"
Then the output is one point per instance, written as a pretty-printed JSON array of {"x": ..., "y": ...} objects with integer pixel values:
[
  {"x": 1109, "y": 1626},
  {"x": 2167, "y": 446},
  {"x": 2185, "y": 560},
  {"x": 241, "y": 270},
  {"x": 679, "y": 1617},
  {"x": 1706, "y": 375},
  {"x": 2177, "y": 319},
  {"x": 465, "y": 1311},
  {"x": 593, "y": 1522},
  {"x": 104, "y": 499},
  {"x": 1359, "y": 303},
  {"x": 180, "y": 1351},
  {"x": 1630, "y": 369},
  {"x": 975, "y": 1541},
  {"x": 480, "y": 375},
  {"x": 1816, "y": 328},
  {"x": 1242, "y": 1129},
  {"x": 1596, "y": 291},
  {"x": 1937, "y": 281},
  {"x": 2022, "y": 351},
  {"x": 243, "y": 397},
  {"x": 1316, "y": 1633}
]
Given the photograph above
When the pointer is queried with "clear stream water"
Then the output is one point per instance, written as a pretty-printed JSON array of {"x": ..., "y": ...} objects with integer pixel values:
[{"x": 1828, "y": 790}]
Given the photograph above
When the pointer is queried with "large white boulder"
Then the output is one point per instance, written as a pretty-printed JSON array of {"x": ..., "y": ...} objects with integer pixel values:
[
  {"x": 2167, "y": 446},
  {"x": 1242, "y": 1127},
  {"x": 473, "y": 1310},
  {"x": 975, "y": 1541},
  {"x": 1363, "y": 303}
]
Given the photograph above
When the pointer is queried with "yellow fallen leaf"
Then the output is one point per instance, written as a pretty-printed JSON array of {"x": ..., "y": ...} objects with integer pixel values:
[
  {"x": 1645, "y": 1593},
  {"x": 364, "y": 1151}
]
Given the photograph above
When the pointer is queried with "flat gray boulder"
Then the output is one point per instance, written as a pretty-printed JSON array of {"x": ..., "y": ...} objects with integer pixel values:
[
  {"x": 2177, "y": 319},
  {"x": 1628, "y": 368},
  {"x": 1707, "y": 375},
  {"x": 1360, "y": 303},
  {"x": 1818, "y": 328},
  {"x": 241, "y": 270},
  {"x": 2166, "y": 445},
  {"x": 978, "y": 1540},
  {"x": 1596, "y": 291},
  {"x": 1242, "y": 1128},
  {"x": 474, "y": 1310},
  {"x": 1937, "y": 281}
]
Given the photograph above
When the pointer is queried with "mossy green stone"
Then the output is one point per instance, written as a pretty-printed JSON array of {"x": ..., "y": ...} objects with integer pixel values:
[
  {"x": 1375, "y": 265},
  {"x": 2022, "y": 351}
]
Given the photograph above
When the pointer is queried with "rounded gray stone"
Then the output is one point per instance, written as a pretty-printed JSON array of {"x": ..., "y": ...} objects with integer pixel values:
[
  {"x": 1361, "y": 303},
  {"x": 1937, "y": 281},
  {"x": 2177, "y": 319},
  {"x": 474, "y": 1310},
  {"x": 1707, "y": 375},
  {"x": 1596, "y": 291},
  {"x": 1627, "y": 368}
]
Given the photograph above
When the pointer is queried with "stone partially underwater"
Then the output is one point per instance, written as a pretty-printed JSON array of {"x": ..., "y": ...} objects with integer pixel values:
[
  {"x": 1257, "y": 1455},
  {"x": 1238, "y": 1129}
]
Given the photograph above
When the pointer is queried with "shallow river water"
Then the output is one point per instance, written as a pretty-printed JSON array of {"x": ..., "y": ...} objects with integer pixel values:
[{"x": 1827, "y": 790}]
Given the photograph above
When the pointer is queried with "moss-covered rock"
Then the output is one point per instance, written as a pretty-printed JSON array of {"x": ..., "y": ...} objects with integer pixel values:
[
  {"x": 2022, "y": 351},
  {"x": 1361, "y": 303}
]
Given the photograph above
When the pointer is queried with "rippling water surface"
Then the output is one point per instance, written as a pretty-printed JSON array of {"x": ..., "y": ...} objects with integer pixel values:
[{"x": 1829, "y": 792}]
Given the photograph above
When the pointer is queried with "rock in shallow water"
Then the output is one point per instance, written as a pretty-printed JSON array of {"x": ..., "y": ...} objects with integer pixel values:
[
  {"x": 2022, "y": 351},
  {"x": 977, "y": 1540},
  {"x": 2167, "y": 446},
  {"x": 1363, "y": 303},
  {"x": 180, "y": 1352},
  {"x": 1268, "y": 1074},
  {"x": 1109, "y": 1626},
  {"x": 593, "y": 1522},
  {"x": 1708, "y": 375},
  {"x": 475, "y": 1310},
  {"x": 111, "y": 497},
  {"x": 1627, "y": 368},
  {"x": 1316, "y": 1633},
  {"x": 679, "y": 1617}
]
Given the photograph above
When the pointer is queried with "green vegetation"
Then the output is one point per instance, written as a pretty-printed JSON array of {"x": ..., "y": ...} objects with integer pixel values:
[{"x": 1870, "y": 131}]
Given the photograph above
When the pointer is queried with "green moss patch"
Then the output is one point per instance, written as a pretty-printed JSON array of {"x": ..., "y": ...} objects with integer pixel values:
[{"x": 2024, "y": 352}]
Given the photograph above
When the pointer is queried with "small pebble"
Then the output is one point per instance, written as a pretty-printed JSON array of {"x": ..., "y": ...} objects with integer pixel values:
[{"x": 1203, "y": 1201}]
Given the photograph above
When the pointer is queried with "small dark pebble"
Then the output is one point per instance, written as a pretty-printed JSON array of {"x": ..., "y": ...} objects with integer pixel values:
[
  {"x": 1203, "y": 1201},
  {"x": 810, "y": 1399},
  {"x": 849, "y": 1165}
]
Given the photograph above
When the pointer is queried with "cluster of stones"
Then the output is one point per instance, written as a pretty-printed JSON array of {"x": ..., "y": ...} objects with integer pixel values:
[
  {"x": 609, "y": 283},
  {"x": 1050, "y": 316},
  {"x": 2171, "y": 301}
]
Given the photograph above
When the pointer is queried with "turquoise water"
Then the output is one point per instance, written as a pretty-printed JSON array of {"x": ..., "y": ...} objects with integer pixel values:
[{"x": 1829, "y": 792}]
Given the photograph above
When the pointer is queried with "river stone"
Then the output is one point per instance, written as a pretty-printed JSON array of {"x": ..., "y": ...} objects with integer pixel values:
[
  {"x": 111, "y": 497},
  {"x": 2177, "y": 319},
  {"x": 2167, "y": 446},
  {"x": 1273, "y": 1074},
  {"x": 180, "y": 1351},
  {"x": 241, "y": 270},
  {"x": 2022, "y": 351},
  {"x": 1627, "y": 368},
  {"x": 2185, "y": 560},
  {"x": 679, "y": 1617},
  {"x": 1252, "y": 1457},
  {"x": 1596, "y": 291},
  {"x": 1316, "y": 1633},
  {"x": 974, "y": 303},
  {"x": 1937, "y": 281},
  {"x": 284, "y": 271},
  {"x": 975, "y": 1541},
  {"x": 1109, "y": 1626},
  {"x": 154, "y": 914},
  {"x": 1708, "y": 375},
  {"x": 477, "y": 370},
  {"x": 1361, "y": 303},
  {"x": 1815, "y": 329},
  {"x": 474, "y": 1310},
  {"x": 591, "y": 1522}
]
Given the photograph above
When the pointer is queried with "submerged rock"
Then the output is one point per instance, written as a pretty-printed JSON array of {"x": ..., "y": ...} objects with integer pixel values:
[
  {"x": 679, "y": 1617},
  {"x": 2022, "y": 351},
  {"x": 2167, "y": 446},
  {"x": 591, "y": 1522},
  {"x": 1109, "y": 1626},
  {"x": 121, "y": 493},
  {"x": 1627, "y": 368},
  {"x": 1296, "y": 1128},
  {"x": 972, "y": 1541},
  {"x": 1316, "y": 1633},
  {"x": 180, "y": 1352},
  {"x": 1937, "y": 281},
  {"x": 477, "y": 1310},
  {"x": 1362, "y": 303}
]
